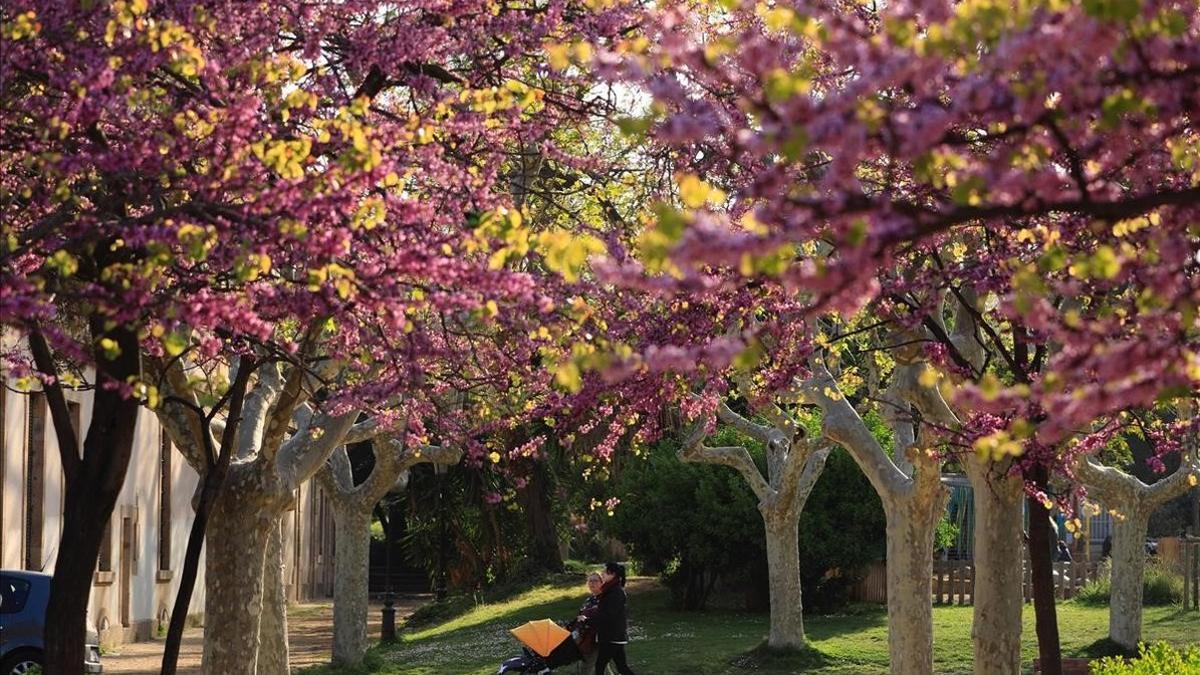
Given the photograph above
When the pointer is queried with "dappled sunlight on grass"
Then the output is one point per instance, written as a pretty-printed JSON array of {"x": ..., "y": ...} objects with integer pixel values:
[
  {"x": 665, "y": 641},
  {"x": 529, "y": 605}
]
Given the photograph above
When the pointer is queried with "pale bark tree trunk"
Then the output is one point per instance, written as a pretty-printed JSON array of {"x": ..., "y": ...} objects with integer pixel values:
[
  {"x": 273, "y": 652},
  {"x": 350, "y": 591},
  {"x": 910, "y": 528},
  {"x": 909, "y": 484},
  {"x": 271, "y": 463},
  {"x": 996, "y": 628},
  {"x": 793, "y": 467},
  {"x": 1128, "y": 570},
  {"x": 352, "y": 508},
  {"x": 1132, "y": 502},
  {"x": 234, "y": 556},
  {"x": 783, "y": 574}
]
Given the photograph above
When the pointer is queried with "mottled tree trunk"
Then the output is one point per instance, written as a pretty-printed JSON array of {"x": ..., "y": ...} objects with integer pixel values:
[
  {"x": 273, "y": 645},
  {"x": 350, "y": 589},
  {"x": 783, "y": 573},
  {"x": 1128, "y": 568},
  {"x": 1133, "y": 501},
  {"x": 996, "y": 629},
  {"x": 235, "y": 551},
  {"x": 910, "y": 528}
]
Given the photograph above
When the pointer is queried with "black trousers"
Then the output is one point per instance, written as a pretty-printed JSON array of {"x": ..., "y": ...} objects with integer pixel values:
[{"x": 608, "y": 651}]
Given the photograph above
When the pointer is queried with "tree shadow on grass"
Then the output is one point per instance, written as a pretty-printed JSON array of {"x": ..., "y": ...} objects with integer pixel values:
[
  {"x": 1178, "y": 614},
  {"x": 772, "y": 660},
  {"x": 854, "y": 619},
  {"x": 1105, "y": 647}
]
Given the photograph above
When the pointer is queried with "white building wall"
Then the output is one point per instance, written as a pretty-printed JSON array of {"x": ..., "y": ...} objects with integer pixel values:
[
  {"x": 308, "y": 531},
  {"x": 12, "y": 486},
  {"x": 151, "y": 592}
]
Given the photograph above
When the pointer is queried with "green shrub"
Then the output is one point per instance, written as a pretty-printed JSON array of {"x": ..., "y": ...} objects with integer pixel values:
[
  {"x": 699, "y": 524},
  {"x": 691, "y": 523},
  {"x": 1159, "y": 658},
  {"x": 1159, "y": 587},
  {"x": 1095, "y": 593}
]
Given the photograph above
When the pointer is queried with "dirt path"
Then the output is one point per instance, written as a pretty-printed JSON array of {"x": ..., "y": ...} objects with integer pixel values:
[{"x": 310, "y": 631}]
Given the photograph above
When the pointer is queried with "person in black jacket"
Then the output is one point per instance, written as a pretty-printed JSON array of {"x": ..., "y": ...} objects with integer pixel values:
[{"x": 610, "y": 622}]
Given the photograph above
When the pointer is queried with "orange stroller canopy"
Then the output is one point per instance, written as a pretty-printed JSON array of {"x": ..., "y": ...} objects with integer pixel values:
[{"x": 542, "y": 636}]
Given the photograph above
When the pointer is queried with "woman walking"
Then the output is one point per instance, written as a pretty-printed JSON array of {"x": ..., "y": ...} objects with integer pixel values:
[{"x": 610, "y": 621}]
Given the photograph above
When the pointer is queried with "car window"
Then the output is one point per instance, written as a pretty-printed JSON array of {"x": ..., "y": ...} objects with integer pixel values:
[{"x": 13, "y": 594}]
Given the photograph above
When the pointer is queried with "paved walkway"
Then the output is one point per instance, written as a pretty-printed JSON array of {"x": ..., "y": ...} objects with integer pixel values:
[{"x": 310, "y": 634}]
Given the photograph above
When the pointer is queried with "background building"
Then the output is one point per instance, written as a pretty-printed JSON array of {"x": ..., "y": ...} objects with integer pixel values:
[{"x": 137, "y": 574}]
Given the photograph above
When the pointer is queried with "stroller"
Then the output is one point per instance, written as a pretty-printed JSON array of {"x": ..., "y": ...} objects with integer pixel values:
[{"x": 545, "y": 636}]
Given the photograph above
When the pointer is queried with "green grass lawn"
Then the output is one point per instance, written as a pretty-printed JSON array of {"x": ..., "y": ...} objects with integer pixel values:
[{"x": 670, "y": 642}]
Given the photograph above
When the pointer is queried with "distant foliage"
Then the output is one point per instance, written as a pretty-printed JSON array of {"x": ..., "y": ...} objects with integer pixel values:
[
  {"x": 839, "y": 535},
  {"x": 698, "y": 524},
  {"x": 1159, "y": 587},
  {"x": 694, "y": 524}
]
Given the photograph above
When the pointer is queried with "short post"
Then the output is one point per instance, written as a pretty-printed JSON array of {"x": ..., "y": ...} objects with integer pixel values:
[{"x": 387, "y": 631}]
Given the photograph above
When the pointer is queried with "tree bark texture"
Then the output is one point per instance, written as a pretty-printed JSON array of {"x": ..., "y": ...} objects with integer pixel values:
[
  {"x": 350, "y": 590},
  {"x": 352, "y": 508},
  {"x": 996, "y": 628},
  {"x": 794, "y": 464},
  {"x": 203, "y": 502},
  {"x": 783, "y": 573},
  {"x": 1132, "y": 502},
  {"x": 1126, "y": 581},
  {"x": 273, "y": 653},
  {"x": 910, "y": 528},
  {"x": 236, "y": 548},
  {"x": 908, "y": 481}
]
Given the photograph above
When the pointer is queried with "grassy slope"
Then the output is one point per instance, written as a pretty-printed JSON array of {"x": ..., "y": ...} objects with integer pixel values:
[{"x": 668, "y": 642}]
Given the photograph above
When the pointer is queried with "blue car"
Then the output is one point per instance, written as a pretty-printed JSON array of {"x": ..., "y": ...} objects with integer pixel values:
[{"x": 23, "y": 600}]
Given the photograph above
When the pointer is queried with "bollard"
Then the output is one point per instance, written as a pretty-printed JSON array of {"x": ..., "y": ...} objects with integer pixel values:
[{"x": 388, "y": 631}]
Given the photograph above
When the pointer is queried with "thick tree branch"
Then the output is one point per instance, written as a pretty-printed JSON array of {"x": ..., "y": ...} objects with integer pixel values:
[
  {"x": 737, "y": 457},
  {"x": 258, "y": 402},
  {"x": 293, "y": 392},
  {"x": 800, "y": 475},
  {"x": 754, "y": 430},
  {"x": 60, "y": 412},
  {"x": 842, "y": 424},
  {"x": 305, "y": 452},
  {"x": 177, "y": 414},
  {"x": 363, "y": 431}
]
